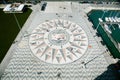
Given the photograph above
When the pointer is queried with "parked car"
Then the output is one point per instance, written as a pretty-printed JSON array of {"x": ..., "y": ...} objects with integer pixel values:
[{"x": 43, "y": 6}]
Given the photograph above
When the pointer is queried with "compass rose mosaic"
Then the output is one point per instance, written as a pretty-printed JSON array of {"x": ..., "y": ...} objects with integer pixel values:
[{"x": 58, "y": 41}]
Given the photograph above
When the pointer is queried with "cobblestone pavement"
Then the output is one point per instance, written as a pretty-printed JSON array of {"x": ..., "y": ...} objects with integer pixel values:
[{"x": 93, "y": 65}]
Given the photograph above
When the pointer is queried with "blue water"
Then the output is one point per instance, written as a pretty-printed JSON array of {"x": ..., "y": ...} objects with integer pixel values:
[{"x": 93, "y": 17}]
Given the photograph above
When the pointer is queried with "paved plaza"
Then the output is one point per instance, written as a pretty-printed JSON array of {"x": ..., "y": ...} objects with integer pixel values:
[{"x": 58, "y": 45}]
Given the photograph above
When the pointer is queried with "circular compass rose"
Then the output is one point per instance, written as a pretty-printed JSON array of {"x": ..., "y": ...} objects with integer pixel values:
[{"x": 58, "y": 41}]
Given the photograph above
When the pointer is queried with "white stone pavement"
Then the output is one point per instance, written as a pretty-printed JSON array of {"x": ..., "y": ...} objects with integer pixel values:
[{"x": 23, "y": 65}]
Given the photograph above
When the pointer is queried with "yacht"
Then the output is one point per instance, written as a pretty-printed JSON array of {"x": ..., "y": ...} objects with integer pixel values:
[
  {"x": 106, "y": 19},
  {"x": 107, "y": 28},
  {"x": 100, "y": 20},
  {"x": 110, "y": 19},
  {"x": 114, "y": 20},
  {"x": 117, "y": 19}
]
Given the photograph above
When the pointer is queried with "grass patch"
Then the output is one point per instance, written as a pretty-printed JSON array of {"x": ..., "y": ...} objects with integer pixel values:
[{"x": 9, "y": 29}]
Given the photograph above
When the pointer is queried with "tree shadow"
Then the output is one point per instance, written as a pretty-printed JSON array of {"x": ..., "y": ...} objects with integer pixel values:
[{"x": 110, "y": 74}]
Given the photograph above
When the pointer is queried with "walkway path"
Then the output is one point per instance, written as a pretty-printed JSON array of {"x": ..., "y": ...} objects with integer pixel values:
[{"x": 24, "y": 65}]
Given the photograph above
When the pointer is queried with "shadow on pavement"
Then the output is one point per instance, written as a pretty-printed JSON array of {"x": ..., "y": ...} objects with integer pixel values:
[{"x": 112, "y": 73}]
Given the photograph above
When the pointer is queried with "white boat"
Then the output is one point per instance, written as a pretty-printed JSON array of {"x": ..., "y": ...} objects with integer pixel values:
[
  {"x": 110, "y": 19},
  {"x": 107, "y": 28},
  {"x": 106, "y": 19},
  {"x": 114, "y": 20},
  {"x": 100, "y": 19},
  {"x": 117, "y": 19}
]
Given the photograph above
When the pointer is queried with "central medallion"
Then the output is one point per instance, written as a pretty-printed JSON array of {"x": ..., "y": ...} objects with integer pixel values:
[
  {"x": 58, "y": 38},
  {"x": 58, "y": 41}
]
